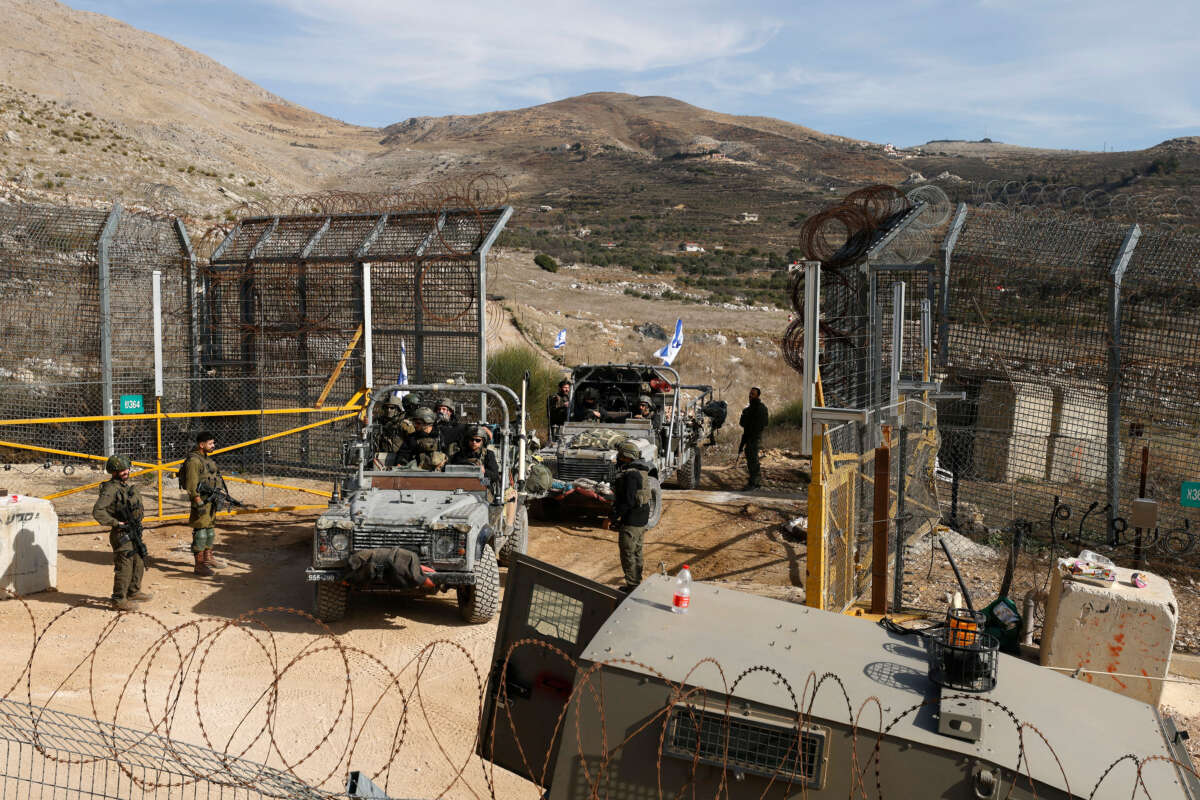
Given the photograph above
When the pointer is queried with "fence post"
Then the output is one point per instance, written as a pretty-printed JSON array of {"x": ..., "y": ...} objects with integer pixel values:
[
  {"x": 104, "y": 268},
  {"x": 879, "y": 530},
  {"x": 195, "y": 291},
  {"x": 960, "y": 217},
  {"x": 812, "y": 350},
  {"x": 814, "y": 585},
  {"x": 1116, "y": 275},
  {"x": 368, "y": 345},
  {"x": 897, "y": 349},
  {"x": 156, "y": 304},
  {"x": 901, "y": 488}
]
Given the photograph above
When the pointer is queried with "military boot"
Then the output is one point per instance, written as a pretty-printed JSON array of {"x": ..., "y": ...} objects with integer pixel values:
[
  {"x": 121, "y": 604},
  {"x": 140, "y": 597},
  {"x": 202, "y": 567},
  {"x": 212, "y": 561}
]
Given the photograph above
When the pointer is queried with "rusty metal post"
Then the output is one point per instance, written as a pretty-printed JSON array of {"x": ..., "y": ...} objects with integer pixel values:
[{"x": 879, "y": 531}]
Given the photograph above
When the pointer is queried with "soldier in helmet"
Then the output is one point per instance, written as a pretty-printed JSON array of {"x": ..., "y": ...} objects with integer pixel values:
[
  {"x": 119, "y": 504},
  {"x": 198, "y": 476},
  {"x": 450, "y": 432},
  {"x": 422, "y": 448},
  {"x": 646, "y": 410},
  {"x": 630, "y": 512},
  {"x": 393, "y": 427},
  {"x": 474, "y": 452}
]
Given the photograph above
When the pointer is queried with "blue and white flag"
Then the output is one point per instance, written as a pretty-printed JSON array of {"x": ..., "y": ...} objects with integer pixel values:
[
  {"x": 560, "y": 341},
  {"x": 672, "y": 348},
  {"x": 402, "y": 378}
]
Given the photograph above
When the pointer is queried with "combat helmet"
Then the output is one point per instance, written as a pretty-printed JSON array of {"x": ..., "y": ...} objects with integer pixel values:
[
  {"x": 644, "y": 399},
  {"x": 393, "y": 401},
  {"x": 628, "y": 449},
  {"x": 116, "y": 463},
  {"x": 411, "y": 402},
  {"x": 425, "y": 415},
  {"x": 482, "y": 431}
]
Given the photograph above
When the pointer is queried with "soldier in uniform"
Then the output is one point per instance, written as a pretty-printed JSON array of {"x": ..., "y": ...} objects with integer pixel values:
[
  {"x": 198, "y": 476},
  {"x": 753, "y": 421},
  {"x": 394, "y": 426},
  {"x": 556, "y": 404},
  {"x": 449, "y": 430},
  {"x": 423, "y": 448},
  {"x": 474, "y": 452},
  {"x": 630, "y": 512},
  {"x": 588, "y": 408},
  {"x": 646, "y": 410},
  {"x": 120, "y": 503}
]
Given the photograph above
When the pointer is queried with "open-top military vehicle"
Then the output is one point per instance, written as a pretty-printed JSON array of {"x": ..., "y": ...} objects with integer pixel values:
[
  {"x": 601, "y": 414},
  {"x": 596, "y": 694},
  {"x": 420, "y": 531}
]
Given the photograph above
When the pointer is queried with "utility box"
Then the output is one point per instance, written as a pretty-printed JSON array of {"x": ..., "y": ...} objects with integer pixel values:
[
  {"x": 1119, "y": 629},
  {"x": 28, "y": 544},
  {"x": 1013, "y": 431}
]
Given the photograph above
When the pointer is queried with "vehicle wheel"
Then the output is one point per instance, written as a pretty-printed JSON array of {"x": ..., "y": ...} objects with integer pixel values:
[
  {"x": 518, "y": 540},
  {"x": 330, "y": 599},
  {"x": 655, "y": 502},
  {"x": 688, "y": 476},
  {"x": 479, "y": 603}
]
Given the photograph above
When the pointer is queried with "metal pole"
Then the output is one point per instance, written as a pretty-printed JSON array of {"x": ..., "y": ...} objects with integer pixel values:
[
  {"x": 1139, "y": 554},
  {"x": 901, "y": 488},
  {"x": 156, "y": 304},
  {"x": 104, "y": 269},
  {"x": 879, "y": 531},
  {"x": 897, "y": 349},
  {"x": 368, "y": 353},
  {"x": 960, "y": 217},
  {"x": 195, "y": 294},
  {"x": 1116, "y": 276},
  {"x": 812, "y": 327}
]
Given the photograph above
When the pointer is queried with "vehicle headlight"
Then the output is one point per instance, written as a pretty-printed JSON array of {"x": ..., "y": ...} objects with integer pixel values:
[
  {"x": 340, "y": 541},
  {"x": 324, "y": 523},
  {"x": 444, "y": 547}
]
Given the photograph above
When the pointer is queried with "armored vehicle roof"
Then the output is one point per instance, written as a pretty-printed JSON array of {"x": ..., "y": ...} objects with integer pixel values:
[{"x": 1088, "y": 728}]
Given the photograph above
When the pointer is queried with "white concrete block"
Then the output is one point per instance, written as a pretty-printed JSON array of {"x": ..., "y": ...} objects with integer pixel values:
[
  {"x": 1118, "y": 629},
  {"x": 28, "y": 544}
]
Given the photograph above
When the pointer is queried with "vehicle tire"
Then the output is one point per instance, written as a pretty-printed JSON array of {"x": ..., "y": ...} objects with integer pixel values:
[
  {"x": 656, "y": 501},
  {"x": 480, "y": 602},
  {"x": 518, "y": 539},
  {"x": 330, "y": 599},
  {"x": 688, "y": 476}
]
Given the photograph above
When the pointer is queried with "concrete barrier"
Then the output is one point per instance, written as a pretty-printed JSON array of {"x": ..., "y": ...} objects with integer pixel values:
[
  {"x": 28, "y": 544},
  {"x": 1118, "y": 629}
]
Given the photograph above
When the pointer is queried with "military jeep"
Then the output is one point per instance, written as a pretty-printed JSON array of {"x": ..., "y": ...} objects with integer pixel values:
[
  {"x": 419, "y": 532},
  {"x": 581, "y": 454}
]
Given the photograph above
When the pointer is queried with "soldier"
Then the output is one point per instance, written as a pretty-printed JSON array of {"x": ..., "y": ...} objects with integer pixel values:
[
  {"x": 556, "y": 404},
  {"x": 753, "y": 421},
  {"x": 475, "y": 453},
  {"x": 630, "y": 511},
  {"x": 394, "y": 426},
  {"x": 119, "y": 504},
  {"x": 646, "y": 410},
  {"x": 588, "y": 408},
  {"x": 423, "y": 447},
  {"x": 449, "y": 430},
  {"x": 199, "y": 477}
]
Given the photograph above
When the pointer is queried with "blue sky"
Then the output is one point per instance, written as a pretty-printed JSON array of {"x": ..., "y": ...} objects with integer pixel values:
[{"x": 1051, "y": 74}]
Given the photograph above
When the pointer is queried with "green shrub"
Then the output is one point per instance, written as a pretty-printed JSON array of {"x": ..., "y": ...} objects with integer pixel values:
[
  {"x": 508, "y": 366},
  {"x": 790, "y": 415},
  {"x": 546, "y": 262}
]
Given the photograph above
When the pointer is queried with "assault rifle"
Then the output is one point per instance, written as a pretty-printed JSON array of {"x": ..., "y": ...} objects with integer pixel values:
[
  {"x": 217, "y": 494},
  {"x": 133, "y": 529}
]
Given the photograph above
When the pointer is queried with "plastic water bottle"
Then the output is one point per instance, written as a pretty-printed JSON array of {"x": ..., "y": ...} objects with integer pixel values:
[{"x": 683, "y": 591}]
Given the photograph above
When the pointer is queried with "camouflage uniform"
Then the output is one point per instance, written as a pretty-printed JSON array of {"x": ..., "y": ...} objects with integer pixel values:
[
  {"x": 200, "y": 471},
  {"x": 120, "y": 501},
  {"x": 630, "y": 513}
]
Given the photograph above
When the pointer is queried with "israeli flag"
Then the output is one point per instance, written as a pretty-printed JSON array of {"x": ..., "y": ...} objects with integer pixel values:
[
  {"x": 402, "y": 378},
  {"x": 560, "y": 341},
  {"x": 672, "y": 348}
]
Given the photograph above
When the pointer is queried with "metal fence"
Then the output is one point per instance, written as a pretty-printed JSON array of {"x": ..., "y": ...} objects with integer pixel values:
[
  {"x": 1075, "y": 341},
  {"x": 117, "y": 338}
]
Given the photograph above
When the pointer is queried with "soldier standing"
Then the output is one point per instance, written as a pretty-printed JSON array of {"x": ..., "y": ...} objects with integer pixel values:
[
  {"x": 753, "y": 421},
  {"x": 423, "y": 447},
  {"x": 630, "y": 512},
  {"x": 199, "y": 477},
  {"x": 557, "y": 404},
  {"x": 119, "y": 505}
]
